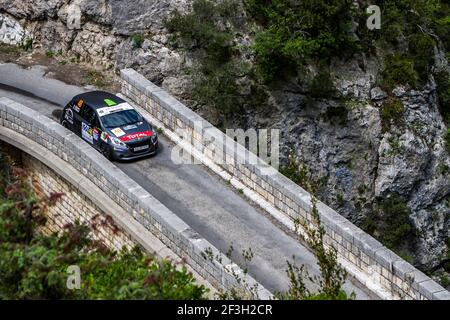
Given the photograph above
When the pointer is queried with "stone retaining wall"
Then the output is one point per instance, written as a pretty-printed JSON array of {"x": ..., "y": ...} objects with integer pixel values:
[
  {"x": 148, "y": 211},
  {"x": 74, "y": 206},
  {"x": 381, "y": 270}
]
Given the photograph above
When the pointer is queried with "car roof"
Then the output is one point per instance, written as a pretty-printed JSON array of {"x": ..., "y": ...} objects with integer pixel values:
[{"x": 99, "y": 99}]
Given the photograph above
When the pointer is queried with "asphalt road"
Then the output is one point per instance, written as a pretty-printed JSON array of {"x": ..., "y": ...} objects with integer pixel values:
[{"x": 197, "y": 196}]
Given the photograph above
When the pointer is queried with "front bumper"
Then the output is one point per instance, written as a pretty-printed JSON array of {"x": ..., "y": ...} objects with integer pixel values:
[{"x": 128, "y": 154}]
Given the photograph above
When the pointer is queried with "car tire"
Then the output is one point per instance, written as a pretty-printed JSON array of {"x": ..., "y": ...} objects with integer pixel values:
[{"x": 106, "y": 151}]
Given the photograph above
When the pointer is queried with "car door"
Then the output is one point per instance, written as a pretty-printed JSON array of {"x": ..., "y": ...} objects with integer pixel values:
[
  {"x": 67, "y": 116},
  {"x": 96, "y": 132},
  {"x": 87, "y": 118},
  {"x": 77, "y": 107}
]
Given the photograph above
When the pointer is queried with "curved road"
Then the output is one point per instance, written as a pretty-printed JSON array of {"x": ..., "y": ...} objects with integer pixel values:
[{"x": 193, "y": 193}]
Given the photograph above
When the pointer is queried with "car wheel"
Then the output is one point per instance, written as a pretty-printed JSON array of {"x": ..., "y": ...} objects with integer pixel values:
[{"x": 106, "y": 151}]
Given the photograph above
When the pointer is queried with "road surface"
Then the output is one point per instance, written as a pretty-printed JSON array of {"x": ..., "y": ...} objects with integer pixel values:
[{"x": 197, "y": 196}]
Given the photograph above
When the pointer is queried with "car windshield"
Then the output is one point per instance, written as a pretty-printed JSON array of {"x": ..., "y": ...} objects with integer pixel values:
[{"x": 120, "y": 119}]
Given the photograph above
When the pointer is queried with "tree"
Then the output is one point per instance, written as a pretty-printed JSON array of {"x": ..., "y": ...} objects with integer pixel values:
[{"x": 34, "y": 266}]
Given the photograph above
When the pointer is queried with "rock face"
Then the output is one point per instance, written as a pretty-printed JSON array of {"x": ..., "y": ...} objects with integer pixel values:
[
  {"x": 11, "y": 32},
  {"x": 343, "y": 146}
]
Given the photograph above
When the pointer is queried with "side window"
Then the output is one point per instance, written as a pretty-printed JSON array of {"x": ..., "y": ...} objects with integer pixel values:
[
  {"x": 96, "y": 122},
  {"x": 78, "y": 105},
  {"x": 88, "y": 114}
]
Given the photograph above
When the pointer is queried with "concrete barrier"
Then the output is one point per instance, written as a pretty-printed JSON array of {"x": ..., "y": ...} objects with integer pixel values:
[
  {"x": 378, "y": 268},
  {"x": 21, "y": 123}
]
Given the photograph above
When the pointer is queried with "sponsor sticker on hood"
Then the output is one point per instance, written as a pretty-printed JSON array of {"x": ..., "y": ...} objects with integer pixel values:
[
  {"x": 118, "y": 132},
  {"x": 118, "y": 108},
  {"x": 130, "y": 127},
  {"x": 138, "y": 135}
]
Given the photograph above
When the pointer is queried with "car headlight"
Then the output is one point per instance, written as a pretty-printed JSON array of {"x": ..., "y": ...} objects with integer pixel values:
[{"x": 117, "y": 143}]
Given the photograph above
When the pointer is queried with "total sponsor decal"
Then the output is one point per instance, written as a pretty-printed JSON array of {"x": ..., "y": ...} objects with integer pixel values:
[{"x": 138, "y": 135}]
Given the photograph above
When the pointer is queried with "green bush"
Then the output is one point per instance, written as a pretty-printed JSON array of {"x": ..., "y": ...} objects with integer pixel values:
[
  {"x": 391, "y": 113},
  {"x": 293, "y": 34},
  {"x": 208, "y": 27},
  {"x": 332, "y": 275},
  {"x": 390, "y": 223},
  {"x": 297, "y": 32},
  {"x": 217, "y": 87},
  {"x": 50, "y": 53},
  {"x": 447, "y": 140},
  {"x": 401, "y": 19},
  {"x": 321, "y": 86},
  {"x": 399, "y": 69},
  {"x": 34, "y": 266},
  {"x": 209, "y": 30},
  {"x": 441, "y": 24},
  {"x": 409, "y": 27},
  {"x": 137, "y": 40},
  {"x": 269, "y": 59},
  {"x": 443, "y": 90},
  {"x": 421, "y": 49},
  {"x": 296, "y": 172},
  {"x": 27, "y": 44}
]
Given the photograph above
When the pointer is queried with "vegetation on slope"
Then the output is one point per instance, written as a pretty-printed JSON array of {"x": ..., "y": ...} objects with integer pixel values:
[
  {"x": 34, "y": 266},
  {"x": 288, "y": 36}
]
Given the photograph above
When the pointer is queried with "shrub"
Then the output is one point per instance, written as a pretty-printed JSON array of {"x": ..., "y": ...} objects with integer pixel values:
[
  {"x": 9, "y": 49},
  {"x": 208, "y": 27},
  {"x": 269, "y": 60},
  {"x": 445, "y": 281},
  {"x": 403, "y": 18},
  {"x": 34, "y": 266},
  {"x": 441, "y": 24},
  {"x": 27, "y": 44},
  {"x": 398, "y": 69},
  {"x": 391, "y": 113},
  {"x": 421, "y": 49},
  {"x": 443, "y": 91},
  {"x": 296, "y": 172},
  {"x": 137, "y": 40},
  {"x": 218, "y": 88},
  {"x": 296, "y": 32},
  {"x": 332, "y": 275},
  {"x": 219, "y": 77},
  {"x": 321, "y": 86},
  {"x": 390, "y": 223},
  {"x": 447, "y": 140},
  {"x": 50, "y": 54}
]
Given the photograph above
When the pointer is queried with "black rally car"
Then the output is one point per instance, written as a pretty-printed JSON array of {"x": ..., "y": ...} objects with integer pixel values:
[{"x": 110, "y": 125}]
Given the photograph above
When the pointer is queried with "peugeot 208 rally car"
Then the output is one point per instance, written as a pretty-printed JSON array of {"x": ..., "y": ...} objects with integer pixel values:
[{"x": 110, "y": 125}]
